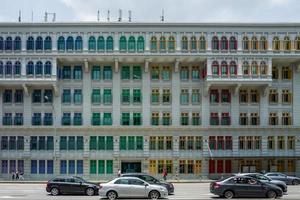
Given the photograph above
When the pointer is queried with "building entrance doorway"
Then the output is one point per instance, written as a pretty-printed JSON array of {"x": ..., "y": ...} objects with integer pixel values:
[{"x": 131, "y": 167}]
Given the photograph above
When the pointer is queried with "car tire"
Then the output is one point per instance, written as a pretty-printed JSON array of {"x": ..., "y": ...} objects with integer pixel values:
[
  {"x": 228, "y": 194},
  {"x": 90, "y": 191},
  {"x": 295, "y": 182},
  {"x": 112, "y": 195},
  {"x": 54, "y": 191},
  {"x": 154, "y": 195},
  {"x": 271, "y": 194}
]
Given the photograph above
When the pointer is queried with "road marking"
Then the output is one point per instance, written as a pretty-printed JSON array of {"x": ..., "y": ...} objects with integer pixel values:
[{"x": 7, "y": 197}]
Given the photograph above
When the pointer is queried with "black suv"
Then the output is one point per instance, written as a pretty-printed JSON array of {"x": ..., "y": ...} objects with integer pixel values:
[
  {"x": 152, "y": 180},
  {"x": 71, "y": 185}
]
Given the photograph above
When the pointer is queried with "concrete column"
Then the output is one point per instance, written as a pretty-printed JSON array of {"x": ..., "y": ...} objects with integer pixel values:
[
  {"x": 86, "y": 88},
  {"x": 54, "y": 42},
  {"x": 208, "y": 39},
  {"x": 116, "y": 95},
  {"x": 234, "y": 112},
  {"x": 205, "y": 108},
  {"x": 235, "y": 145},
  {"x": 175, "y": 146},
  {"x": 240, "y": 42},
  {"x": 146, "y": 91},
  {"x": 116, "y": 41},
  {"x": 208, "y": 68},
  {"x": 147, "y": 42},
  {"x": 270, "y": 42},
  {"x": 27, "y": 109},
  {"x": 263, "y": 109},
  {"x": 269, "y": 73},
  {"x": 264, "y": 145},
  {"x": 85, "y": 42},
  {"x": 23, "y": 68},
  {"x": 175, "y": 97},
  {"x": 24, "y": 39},
  {"x": 178, "y": 42},
  {"x": 240, "y": 68},
  {"x": 296, "y": 96},
  {"x": 54, "y": 68},
  {"x": 205, "y": 168}
]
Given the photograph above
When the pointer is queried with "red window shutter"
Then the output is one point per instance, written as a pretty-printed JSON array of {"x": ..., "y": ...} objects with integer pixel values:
[
  {"x": 235, "y": 44},
  {"x": 235, "y": 69},
  {"x": 220, "y": 166},
  {"x": 226, "y": 44},
  {"x": 212, "y": 169},
  {"x": 228, "y": 166}
]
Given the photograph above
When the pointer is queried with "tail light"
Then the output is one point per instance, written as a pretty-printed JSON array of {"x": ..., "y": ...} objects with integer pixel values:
[{"x": 216, "y": 185}]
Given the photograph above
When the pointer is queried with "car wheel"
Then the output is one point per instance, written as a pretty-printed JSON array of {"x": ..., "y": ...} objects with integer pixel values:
[
  {"x": 228, "y": 194},
  {"x": 111, "y": 195},
  {"x": 271, "y": 194},
  {"x": 295, "y": 182},
  {"x": 90, "y": 192},
  {"x": 54, "y": 191},
  {"x": 154, "y": 195}
]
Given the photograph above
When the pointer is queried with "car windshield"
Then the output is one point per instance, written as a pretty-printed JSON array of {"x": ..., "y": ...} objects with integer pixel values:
[
  {"x": 80, "y": 179},
  {"x": 149, "y": 179},
  {"x": 260, "y": 177}
]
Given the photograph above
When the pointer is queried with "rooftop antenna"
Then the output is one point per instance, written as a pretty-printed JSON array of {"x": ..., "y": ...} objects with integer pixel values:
[
  {"x": 98, "y": 16},
  {"x": 19, "y": 19},
  {"x": 120, "y": 15},
  {"x": 162, "y": 15},
  {"x": 129, "y": 15},
  {"x": 53, "y": 16},
  {"x": 108, "y": 17},
  {"x": 31, "y": 15}
]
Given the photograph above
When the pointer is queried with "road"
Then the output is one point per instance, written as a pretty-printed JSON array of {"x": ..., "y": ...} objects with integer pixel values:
[{"x": 183, "y": 191}]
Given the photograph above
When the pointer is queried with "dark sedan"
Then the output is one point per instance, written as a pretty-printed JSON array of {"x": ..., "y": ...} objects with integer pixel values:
[
  {"x": 289, "y": 180},
  {"x": 244, "y": 186},
  {"x": 152, "y": 180},
  {"x": 71, "y": 185},
  {"x": 266, "y": 179}
]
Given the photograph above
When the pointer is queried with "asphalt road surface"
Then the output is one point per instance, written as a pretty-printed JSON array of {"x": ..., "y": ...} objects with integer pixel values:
[{"x": 183, "y": 191}]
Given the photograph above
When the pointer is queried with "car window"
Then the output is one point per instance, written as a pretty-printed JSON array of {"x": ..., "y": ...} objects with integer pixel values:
[
  {"x": 135, "y": 182},
  {"x": 72, "y": 180},
  {"x": 59, "y": 180},
  {"x": 79, "y": 179},
  {"x": 272, "y": 175},
  {"x": 149, "y": 179},
  {"x": 122, "y": 181}
]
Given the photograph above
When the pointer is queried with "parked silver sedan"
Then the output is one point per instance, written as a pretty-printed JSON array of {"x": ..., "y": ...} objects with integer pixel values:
[{"x": 131, "y": 187}]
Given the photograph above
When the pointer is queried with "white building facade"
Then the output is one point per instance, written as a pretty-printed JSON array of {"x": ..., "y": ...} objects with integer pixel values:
[{"x": 201, "y": 100}]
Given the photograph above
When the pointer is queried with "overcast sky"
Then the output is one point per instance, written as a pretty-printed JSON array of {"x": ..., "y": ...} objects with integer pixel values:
[{"x": 150, "y": 10}]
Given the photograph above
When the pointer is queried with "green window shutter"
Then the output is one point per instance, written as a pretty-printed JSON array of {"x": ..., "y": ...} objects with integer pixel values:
[
  {"x": 107, "y": 120},
  {"x": 137, "y": 119},
  {"x": 107, "y": 96},
  {"x": 101, "y": 43},
  {"x": 96, "y": 96},
  {"x": 125, "y": 73},
  {"x": 101, "y": 167},
  {"x": 107, "y": 73},
  {"x": 93, "y": 143},
  {"x": 109, "y": 143},
  {"x": 123, "y": 43},
  {"x": 71, "y": 143},
  {"x": 109, "y": 166},
  {"x": 131, "y": 143},
  {"x": 93, "y": 166},
  {"x": 101, "y": 142},
  {"x": 126, "y": 119},
  {"x": 96, "y": 119},
  {"x": 96, "y": 73},
  {"x": 123, "y": 143},
  {"x": 137, "y": 96},
  {"x": 131, "y": 44},
  {"x": 77, "y": 73},
  {"x": 139, "y": 143},
  {"x": 63, "y": 143},
  {"x": 79, "y": 142},
  {"x": 137, "y": 73},
  {"x": 140, "y": 44},
  {"x": 125, "y": 96}
]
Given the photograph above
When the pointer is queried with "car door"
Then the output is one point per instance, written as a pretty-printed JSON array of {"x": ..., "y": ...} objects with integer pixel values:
[
  {"x": 73, "y": 186},
  {"x": 138, "y": 188},
  {"x": 62, "y": 185},
  {"x": 254, "y": 188},
  {"x": 122, "y": 187}
]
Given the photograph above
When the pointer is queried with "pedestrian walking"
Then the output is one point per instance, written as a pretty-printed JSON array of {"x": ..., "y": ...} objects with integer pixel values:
[
  {"x": 13, "y": 175},
  {"x": 165, "y": 174},
  {"x": 119, "y": 173},
  {"x": 21, "y": 176},
  {"x": 17, "y": 175}
]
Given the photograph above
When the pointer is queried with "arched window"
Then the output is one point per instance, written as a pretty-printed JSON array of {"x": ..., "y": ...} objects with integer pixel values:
[
  {"x": 263, "y": 43},
  {"x": 224, "y": 68},
  {"x": 39, "y": 43},
  {"x": 215, "y": 68},
  {"x": 171, "y": 43},
  {"x": 17, "y": 68},
  {"x": 297, "y": 43},
  {"x": 184, "y": 43},
  {"x": 224, "y": 43},
  {"x": 287, "y": 43},
  {"x": 8, "y": 44},
  {"x": 30, "y": 68},
  {"x": 39, "y": 68},
  {"x": 215, "y": 43},
  {"x": 162, "y": 43},
  {"x": 246, "y": 44},
  {"x": 123, "y": 43},
  {"x": 153, "y": 43},
  {"x": 263, "y": 68},
  {"x": 30, "y": 43},
  {"x": 61, "y": 44},
  {"x": 1, "y": 43},
  {"x": 48, "y": 43},
  {"x": 78, "y": 43},
  {"x": 193, "y": 43},
  {"x": 92, "y": 43},
  {"x": 70, "y": 43},
  {"x": 17, "y": 44},
  {"x": 109, "y": 43},
  {"x": 276, "y": 43},
  {"x": 254, "y": 68},
  {"x": 131, "y": 44},
  {"x": 8, "y": 68},
  {"x": 202, "y": 43},
  {"x": 1, "y": 68},
  {"x": 232, "y": 43},
  {"x": 254, "y": 43},
  {"x": 245, "y": 68},
  {"x": 140, "y": 44},
  {"x": 101, "y": 43},
  {"x": 47, "y": 68},
  {"x": 233, "y": 68}
]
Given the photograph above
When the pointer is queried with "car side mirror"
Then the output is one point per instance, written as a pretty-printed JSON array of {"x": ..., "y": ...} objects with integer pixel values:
[
  {"x": 146, "y": 184},
  {"x": 80, "y": 182}
]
